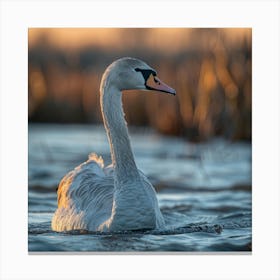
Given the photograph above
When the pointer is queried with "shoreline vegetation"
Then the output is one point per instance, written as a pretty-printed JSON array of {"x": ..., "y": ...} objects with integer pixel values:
[{"x": 211, "y": 70}]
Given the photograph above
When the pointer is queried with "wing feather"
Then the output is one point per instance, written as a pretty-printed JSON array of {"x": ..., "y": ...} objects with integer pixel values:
[{"x": 84, "y": 196}]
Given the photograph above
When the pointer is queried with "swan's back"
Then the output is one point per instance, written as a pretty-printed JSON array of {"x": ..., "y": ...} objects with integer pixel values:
[{"x": 84, "y": 197}]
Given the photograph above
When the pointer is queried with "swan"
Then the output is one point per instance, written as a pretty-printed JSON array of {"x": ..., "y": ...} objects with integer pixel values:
[{"x": 118, "y": 197}]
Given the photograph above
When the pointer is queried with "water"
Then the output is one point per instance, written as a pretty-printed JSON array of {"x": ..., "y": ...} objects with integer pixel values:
[{"x": 204, "y": 191}]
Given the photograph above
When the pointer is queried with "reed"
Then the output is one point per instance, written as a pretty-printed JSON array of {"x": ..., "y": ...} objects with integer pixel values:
[{"x": 211, "y": 70}]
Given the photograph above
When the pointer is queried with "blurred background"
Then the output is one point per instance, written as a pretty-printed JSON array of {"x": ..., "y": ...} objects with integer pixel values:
[{"x": 211, "y": 70}]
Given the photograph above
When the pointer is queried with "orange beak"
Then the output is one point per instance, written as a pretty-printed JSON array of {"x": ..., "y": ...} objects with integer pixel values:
[{"x": 154, "y": 83}]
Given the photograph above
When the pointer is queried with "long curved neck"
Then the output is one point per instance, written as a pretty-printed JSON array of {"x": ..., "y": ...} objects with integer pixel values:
[{"x": 116, "y": 128}]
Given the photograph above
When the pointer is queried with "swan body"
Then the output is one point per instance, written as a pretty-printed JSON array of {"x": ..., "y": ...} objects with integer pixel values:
[{"x": 117, "y": 197}]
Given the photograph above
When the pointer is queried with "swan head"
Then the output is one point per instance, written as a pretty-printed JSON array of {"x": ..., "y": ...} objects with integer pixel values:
[{"x": 130, "y": 73}]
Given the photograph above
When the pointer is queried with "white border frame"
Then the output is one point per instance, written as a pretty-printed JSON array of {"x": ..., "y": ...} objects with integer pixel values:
[{"x": 17, "y": 16}]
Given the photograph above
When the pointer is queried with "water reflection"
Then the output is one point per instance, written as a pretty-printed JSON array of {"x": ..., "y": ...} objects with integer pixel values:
[{"x": 204, "y": 190}]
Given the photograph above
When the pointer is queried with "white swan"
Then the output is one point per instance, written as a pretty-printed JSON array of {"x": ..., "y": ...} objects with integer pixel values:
[{"x": 118, "y": 197}]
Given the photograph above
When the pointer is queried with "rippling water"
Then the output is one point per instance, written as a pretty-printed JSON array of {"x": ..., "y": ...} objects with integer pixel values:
[{"x": 204, "y": 191}]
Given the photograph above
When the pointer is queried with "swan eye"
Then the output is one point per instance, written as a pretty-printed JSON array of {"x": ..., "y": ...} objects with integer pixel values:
[{"x": 146, "y": 73}]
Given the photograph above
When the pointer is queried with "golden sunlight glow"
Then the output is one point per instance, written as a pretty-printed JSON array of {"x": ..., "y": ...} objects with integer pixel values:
[
  {"x": 210, "y": 69},
  {"x": 169, "y": 39}
]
